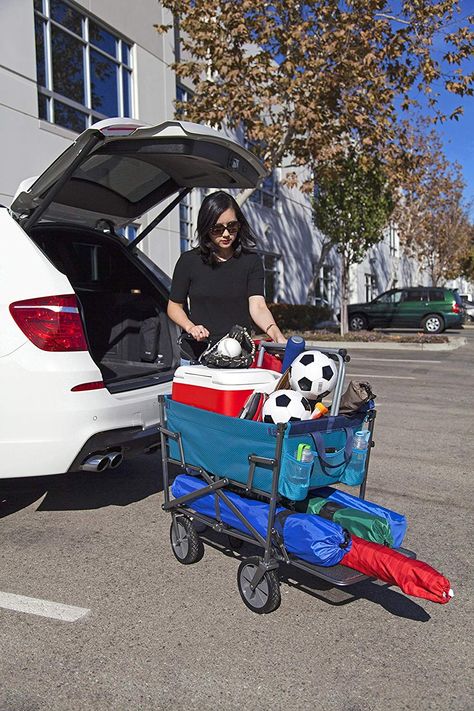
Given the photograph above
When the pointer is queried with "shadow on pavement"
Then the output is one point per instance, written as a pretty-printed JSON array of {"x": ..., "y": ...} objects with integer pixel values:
[
  {"x": 395, "y": 602},
  {"x": 125, "y": 485},
  {"x": 131, "y": 482},
  {"x": 17, "y": 494}
]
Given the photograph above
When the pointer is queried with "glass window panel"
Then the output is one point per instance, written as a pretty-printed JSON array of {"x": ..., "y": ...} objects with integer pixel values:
[
  {"x": 68, "y": 65},
  {"x": 126, "y": 91},
  {"x": 130, "y": 177},
  {"x": 268, "y": 200},
  {"x": 39, "y": 5},
  {"x": 40, "y": 59},
  {"x": 104, "y": 84},
  {"x": 66, "y": 15},
  {"x": 69, "y": 118},
  {"x": 126, "y": 49},
  {"x": 42, "y": 107},
  {"x": 102, "y": 39}
]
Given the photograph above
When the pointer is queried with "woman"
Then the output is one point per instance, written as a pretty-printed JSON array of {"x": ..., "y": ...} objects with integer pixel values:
[{"x": 222, "y": 278}]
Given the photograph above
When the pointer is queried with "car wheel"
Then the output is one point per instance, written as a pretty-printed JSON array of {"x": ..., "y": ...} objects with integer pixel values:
[
  {"x": 433, "y": 323},
  {"x": 358, "y": 322}
]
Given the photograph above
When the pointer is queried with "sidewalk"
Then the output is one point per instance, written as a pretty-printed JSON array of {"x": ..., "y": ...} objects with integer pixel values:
[{"x": 454, "y": 342}]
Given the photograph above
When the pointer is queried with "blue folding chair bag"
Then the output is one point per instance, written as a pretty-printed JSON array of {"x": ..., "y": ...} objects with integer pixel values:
[{"x": 221, "y": 445}]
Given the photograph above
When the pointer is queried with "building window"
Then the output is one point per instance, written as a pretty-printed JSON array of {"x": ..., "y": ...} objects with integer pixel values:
[
  {"x": 84, "y": 71},
  {"x": 185, "y": 223},
  {"x": 324, "y": 291},
  {"x": 183, "y": 95},
  {"x": 370, "y": 286},
  {"x": 267, "y": 195},
  {"x": 392, "y": 240},
  {"x": 130, "y": 232},
  {"x": 270, "y": 261}
]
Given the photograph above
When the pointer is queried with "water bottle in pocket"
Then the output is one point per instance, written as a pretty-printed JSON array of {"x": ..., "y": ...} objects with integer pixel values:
[
  {"x": 296, "y": 473},
  {"x": 355, "y": 470}
]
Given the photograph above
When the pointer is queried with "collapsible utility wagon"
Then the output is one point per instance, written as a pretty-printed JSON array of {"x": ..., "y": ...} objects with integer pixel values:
[{"x": 240, "y": 477}]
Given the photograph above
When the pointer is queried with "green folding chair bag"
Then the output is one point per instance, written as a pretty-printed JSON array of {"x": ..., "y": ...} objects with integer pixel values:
[{"x": 368, "y": 526}]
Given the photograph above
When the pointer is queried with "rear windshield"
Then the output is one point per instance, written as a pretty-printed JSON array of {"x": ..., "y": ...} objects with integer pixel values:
[{"x": 130, "y": 177}]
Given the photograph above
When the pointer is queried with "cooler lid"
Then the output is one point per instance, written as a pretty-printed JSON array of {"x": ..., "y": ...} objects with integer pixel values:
[{"x": 248, "y": 378}]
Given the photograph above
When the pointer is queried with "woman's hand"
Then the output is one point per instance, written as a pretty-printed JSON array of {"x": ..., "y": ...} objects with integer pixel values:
[
  {"x": 177, "y": 314},
  {"x": 199, "y": 333}
]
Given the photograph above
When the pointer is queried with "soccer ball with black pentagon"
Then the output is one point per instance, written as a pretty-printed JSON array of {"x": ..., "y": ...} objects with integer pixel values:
[
  {"x": 313, "y": 374},
  {"x": 285, "y": 406}
]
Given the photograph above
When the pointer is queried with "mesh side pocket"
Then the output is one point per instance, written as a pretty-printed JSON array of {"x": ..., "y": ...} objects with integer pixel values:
[{"x": 294, "y": 478}]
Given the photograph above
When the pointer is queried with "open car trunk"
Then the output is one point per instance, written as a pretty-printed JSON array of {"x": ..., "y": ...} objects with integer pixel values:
[{"x": 123, "y": 307}]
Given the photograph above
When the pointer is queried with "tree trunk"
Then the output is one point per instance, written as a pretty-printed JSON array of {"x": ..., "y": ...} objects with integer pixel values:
[
  {"x": 344, "y": 293},
  {"x": 325, "y": 249},
  {"x": 244, "y": 195}
]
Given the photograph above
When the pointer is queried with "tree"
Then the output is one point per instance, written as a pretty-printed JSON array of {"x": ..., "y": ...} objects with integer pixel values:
[
  {"x": 300, "y": 80},
  {"x": 432, "y": 218},
  {"x": 351, "y": 206}
]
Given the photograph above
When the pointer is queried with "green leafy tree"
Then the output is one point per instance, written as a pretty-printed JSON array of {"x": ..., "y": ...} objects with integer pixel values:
[
  {"x": 351, "y": 206},
  {"x": 432, "y": 218},
  {"x": 300, "y": 80}
]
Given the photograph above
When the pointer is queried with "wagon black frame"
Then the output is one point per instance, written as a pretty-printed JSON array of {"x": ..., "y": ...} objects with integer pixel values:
[{"x": 274, "y": 551}]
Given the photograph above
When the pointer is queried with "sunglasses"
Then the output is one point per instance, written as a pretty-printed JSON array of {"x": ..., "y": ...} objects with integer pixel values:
[{"x": 218, "y": 229}]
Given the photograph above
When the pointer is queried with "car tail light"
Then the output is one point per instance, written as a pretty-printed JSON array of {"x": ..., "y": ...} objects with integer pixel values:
[
  {"x": 94, "y": 385},
  {"x": 455, "y": 308},
  {"x": 52, "y": 323}
]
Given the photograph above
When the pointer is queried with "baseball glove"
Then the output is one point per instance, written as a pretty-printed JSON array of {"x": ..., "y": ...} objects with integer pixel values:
[{"x": 213, "y": 359}]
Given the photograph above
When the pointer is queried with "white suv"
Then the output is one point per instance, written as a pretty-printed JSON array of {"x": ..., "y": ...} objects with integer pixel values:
[{"x": 85, "y": 344}]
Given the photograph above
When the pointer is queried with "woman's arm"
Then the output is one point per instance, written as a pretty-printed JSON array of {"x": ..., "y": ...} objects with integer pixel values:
[
  {"x": 263, "y": 318},
  {"x": 177, "y": 314}
]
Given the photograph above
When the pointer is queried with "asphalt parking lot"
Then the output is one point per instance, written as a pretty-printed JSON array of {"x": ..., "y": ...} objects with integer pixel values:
[{"x": 122, "y": 625}]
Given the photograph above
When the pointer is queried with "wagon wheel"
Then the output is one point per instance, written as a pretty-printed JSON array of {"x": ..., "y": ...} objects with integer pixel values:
[
  {"x": 265, "y": 597},
  {"x": 185, "y": 542}
]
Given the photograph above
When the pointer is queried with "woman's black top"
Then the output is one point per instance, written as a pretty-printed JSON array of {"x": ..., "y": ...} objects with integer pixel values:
[{"x": 218, "y": 294}]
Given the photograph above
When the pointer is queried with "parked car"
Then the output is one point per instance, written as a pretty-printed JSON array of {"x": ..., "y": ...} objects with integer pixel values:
[
  {"x": 468, "y": 307},
  {"x": 86, "y": 345},
  {"x": 431, "y": 308}
]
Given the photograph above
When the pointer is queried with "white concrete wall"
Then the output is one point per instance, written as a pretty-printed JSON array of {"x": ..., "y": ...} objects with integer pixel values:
[{"x": 28, "y": 145}]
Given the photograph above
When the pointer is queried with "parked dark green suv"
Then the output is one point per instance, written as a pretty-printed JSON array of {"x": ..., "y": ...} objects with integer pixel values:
[{"x": 431, "y": 308}]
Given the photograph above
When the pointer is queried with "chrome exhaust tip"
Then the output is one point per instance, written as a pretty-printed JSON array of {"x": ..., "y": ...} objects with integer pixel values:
[
  {"x": 115, "y": 459},
  {"x": 96, "y": 463}
]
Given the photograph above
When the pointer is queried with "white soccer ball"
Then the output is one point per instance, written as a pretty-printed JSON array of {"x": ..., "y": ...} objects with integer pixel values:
[
  {"x": 229, "y": 347},
  {"x": 313, "y": 374},
  {"x": 286, "y": 406}
]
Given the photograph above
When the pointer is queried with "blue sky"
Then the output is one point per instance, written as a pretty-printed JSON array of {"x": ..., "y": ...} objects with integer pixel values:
[
  {"x": 458, "y": 136},
  {"x": 458, "y": 141}
]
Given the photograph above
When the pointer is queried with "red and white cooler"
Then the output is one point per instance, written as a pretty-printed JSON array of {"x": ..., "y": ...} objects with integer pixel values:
[{"x": 218, "y": 389}]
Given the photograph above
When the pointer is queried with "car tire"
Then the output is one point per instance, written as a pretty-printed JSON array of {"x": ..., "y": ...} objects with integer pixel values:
[
  {"x": 433, "y": 323},
  {"x": 358, "y": 322}
]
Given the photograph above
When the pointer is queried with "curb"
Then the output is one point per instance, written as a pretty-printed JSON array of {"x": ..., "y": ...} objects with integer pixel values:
[{"x": 454, "y": 342}]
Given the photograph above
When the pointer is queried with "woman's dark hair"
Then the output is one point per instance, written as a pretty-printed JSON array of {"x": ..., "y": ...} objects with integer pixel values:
[{"x": 212, "y": 208}]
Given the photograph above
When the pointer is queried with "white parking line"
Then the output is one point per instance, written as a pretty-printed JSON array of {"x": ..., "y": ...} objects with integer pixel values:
[
  {"x": 44, "y": 608},
  {"x": 391, "y": 377},
  {"x": 397, "y": 360}
]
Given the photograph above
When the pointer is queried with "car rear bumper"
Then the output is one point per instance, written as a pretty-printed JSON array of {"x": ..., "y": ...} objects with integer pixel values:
[
  {"x": 453, "y": 320},
  {"x": 129, "y": 441}
]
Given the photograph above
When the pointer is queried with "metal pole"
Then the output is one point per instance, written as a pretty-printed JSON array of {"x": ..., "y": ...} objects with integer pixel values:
[{"x": 159, "y": 218}]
